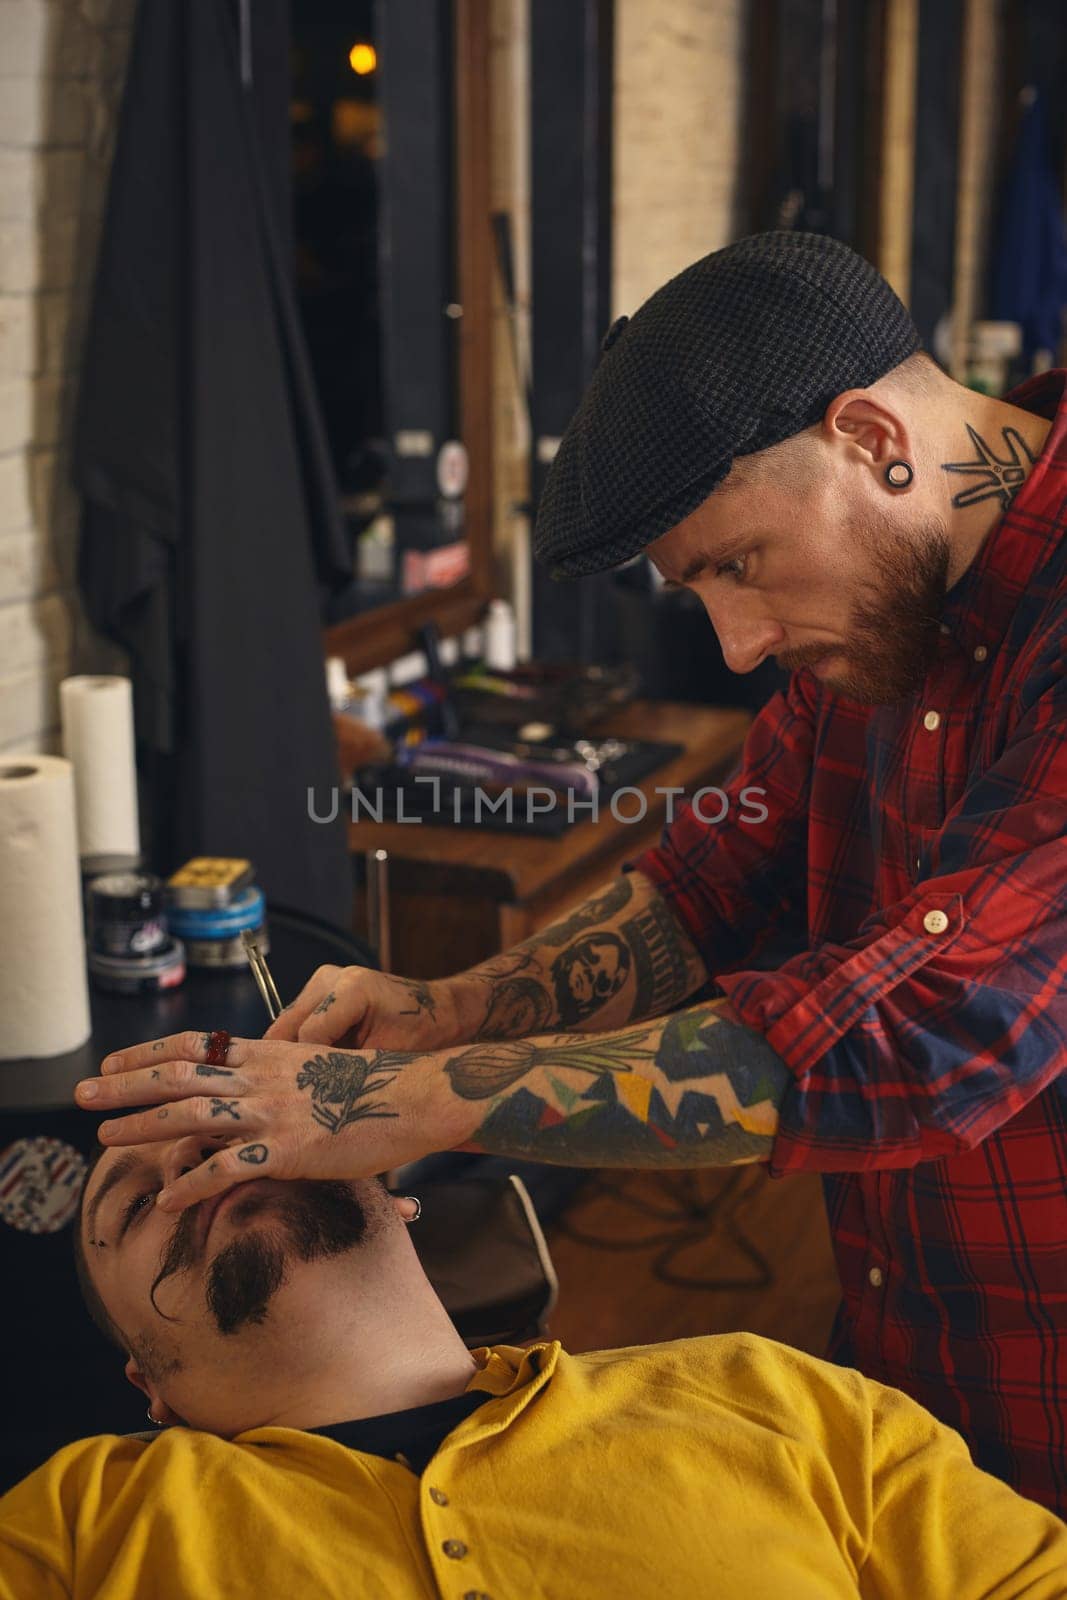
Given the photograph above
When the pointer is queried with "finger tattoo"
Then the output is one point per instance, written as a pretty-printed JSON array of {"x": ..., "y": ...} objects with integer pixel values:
[
  {"x": 214, "y": 1072},
  {"x": 225, "y": 1108},
  {"x": 254, "y": 1154}
]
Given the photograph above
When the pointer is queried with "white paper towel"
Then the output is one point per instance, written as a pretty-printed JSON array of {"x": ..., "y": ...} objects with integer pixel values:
[
  {"x": 97, "y": 716},
  {"x": 44, "y": 998}
]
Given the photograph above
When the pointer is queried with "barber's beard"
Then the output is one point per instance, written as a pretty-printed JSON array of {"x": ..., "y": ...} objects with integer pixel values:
[
  {"x": 893, "y": 636},
  {"x": 319, "y": 1220}
]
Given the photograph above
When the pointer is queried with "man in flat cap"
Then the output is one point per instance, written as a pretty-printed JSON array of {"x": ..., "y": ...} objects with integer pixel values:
[{"x": 767, "y": 430}]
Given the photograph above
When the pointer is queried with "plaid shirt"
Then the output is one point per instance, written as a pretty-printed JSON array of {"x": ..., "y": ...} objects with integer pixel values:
[{"x": 915, "y": 859}]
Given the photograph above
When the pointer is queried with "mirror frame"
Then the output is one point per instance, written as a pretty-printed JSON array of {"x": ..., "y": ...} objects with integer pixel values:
[{"x": 374, "y": 637}]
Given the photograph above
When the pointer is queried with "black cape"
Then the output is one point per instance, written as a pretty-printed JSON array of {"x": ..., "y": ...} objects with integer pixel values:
[{"x": 211, "y": 525}]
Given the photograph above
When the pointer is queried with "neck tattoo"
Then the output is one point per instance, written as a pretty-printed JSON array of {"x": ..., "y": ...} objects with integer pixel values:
[{"x": 1001, "y": 476}]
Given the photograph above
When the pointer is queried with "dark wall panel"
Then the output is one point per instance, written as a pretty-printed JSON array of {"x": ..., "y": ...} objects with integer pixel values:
[
  {"x": 937, "y": 123},
  {"x": 571, "y": 57}
]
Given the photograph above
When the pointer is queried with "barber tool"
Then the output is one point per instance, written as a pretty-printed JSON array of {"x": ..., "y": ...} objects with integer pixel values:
[
  {"x": 44, "y": 999},
  {"x": 261, "y": 973},
  {"x": 125, "y": 914},
  {"x": 148, "y": 974},
  {"x": 207, "y": 881}
]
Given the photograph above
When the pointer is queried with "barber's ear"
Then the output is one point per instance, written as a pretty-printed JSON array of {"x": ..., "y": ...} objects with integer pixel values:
[
  {"x": 857, "y": 419},
  {"x": 159, "y": 1408}
]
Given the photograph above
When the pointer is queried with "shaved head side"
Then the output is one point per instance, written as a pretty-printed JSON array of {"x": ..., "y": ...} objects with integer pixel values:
[{"x": 796, "y": 462}]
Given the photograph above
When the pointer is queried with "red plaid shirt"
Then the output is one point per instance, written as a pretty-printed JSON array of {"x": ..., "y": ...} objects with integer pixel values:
[{"x": 915, "y": 857}]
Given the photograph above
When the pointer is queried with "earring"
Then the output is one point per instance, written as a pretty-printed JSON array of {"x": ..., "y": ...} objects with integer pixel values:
[
  {"x": 417, "y": 1203},
  {"x": 899, "y": 474},
  {"x": 154, "y": 1420}
]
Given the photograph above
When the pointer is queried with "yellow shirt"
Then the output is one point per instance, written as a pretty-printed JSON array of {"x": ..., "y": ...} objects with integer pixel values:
[{"x": 714, "y": 1467}]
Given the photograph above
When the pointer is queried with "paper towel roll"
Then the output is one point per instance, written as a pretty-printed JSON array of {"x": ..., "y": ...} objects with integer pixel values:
[
  {"x": 44, "y": 998},
  {"x": 97, "y": 716}
]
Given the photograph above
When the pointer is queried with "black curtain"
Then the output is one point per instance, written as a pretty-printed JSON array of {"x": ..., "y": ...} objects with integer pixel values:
[{"x": 211, "y": 524}]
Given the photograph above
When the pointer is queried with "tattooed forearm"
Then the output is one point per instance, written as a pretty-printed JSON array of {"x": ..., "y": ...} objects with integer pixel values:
[
  {"x": 587, "y": 974},
  {"x": 600, "y": 908},
  {"x": 690, "y": 1090},
  {"x": 659, "y": 960},
  {"x": 1000, "y": 476},
  {"x": 618, "y": 957},
  {"x": 485, "y": 1070}
]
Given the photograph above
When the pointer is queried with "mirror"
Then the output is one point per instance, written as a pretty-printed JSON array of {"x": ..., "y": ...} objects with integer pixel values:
[{"x": 392, "y": 251}]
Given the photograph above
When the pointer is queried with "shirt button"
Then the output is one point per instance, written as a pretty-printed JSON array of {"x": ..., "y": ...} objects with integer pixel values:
[
  {"x": 875, "y": 1277},
  {"x": 439, "y": 1497},
  {"x": 455, "y": 1549},
  {"x": 931, "y": 722},
  {"x": 935, "y": 922},
  {"x": 980, "y": 652}
]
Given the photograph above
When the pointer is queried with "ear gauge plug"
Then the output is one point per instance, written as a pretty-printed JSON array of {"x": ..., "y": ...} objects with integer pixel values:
[{"x": 899, "y": 474}]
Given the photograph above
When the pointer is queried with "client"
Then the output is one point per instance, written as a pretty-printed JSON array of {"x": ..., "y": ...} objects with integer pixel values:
[{"x": 324, "y": 1432}]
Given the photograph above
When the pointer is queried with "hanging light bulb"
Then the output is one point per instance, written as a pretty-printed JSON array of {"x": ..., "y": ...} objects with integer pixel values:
[{"x": 363, "y": 58}]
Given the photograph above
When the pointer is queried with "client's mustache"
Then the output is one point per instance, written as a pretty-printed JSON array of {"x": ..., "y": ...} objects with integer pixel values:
[{"x": 319, "y": 1219}]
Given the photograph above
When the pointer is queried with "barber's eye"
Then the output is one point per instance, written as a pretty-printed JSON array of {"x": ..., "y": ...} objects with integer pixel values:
[{"x": 734, "y": 568}]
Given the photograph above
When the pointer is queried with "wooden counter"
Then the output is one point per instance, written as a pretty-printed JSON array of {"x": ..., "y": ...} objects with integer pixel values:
[{"x": 460, "y": 895}]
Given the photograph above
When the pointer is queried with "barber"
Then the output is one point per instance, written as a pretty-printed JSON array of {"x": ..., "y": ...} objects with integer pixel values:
[{"x": 889, "y": 944}]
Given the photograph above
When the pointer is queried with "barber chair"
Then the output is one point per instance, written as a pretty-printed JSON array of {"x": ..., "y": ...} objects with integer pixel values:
[{"x": 478, "y": 1237}]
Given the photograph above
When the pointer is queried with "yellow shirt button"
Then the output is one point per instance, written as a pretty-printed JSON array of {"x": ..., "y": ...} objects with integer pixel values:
[
  {"x": 935, "y": 922},
  {"x": 931, "y": 721},
  {"x": 980, "y": 652},
  {"x": 439, "y": 1497},
  {"x": 455, "y": 1549},
  {"x": 875, "y": 1277}
]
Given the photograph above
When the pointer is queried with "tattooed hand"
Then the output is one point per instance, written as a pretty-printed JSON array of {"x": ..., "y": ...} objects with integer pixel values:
[
  {"x": 276, "y": 1109},
  {"x": 356, "y": 1006}
]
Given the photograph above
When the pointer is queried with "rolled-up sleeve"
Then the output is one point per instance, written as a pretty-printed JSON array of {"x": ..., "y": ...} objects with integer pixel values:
[{"x": 947, "y": 1013}]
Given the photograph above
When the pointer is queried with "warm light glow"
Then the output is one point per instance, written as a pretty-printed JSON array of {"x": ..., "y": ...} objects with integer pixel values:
[{"x": 363, "y": 58}]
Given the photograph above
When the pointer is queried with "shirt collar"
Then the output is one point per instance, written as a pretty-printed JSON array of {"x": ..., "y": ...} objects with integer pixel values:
[{"x": 979, "y": 607}]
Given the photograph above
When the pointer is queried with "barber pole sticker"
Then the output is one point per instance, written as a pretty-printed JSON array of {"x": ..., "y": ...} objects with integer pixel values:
[{"x": 40, "y": 1181}]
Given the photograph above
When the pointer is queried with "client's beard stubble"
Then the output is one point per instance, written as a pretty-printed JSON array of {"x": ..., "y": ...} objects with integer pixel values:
[
  {"x": 892, "y": 638},
  {"x": 319, "y": 1220}
]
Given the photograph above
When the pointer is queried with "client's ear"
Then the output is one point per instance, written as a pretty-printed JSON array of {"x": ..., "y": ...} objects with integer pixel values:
[
  {"x": 158, "y": 1408},
  {"x": 408, "y": 1208}
]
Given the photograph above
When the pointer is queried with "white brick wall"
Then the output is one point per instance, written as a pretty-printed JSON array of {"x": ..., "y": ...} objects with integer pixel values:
[
  {"x": 677, "y": 130},
  {"x": 61, "y": 69},
  {"x": 676, "y": 152}
]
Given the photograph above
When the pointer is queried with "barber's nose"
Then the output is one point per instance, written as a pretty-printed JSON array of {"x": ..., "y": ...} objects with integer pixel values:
[{"x": 746, "y": 644}]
